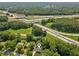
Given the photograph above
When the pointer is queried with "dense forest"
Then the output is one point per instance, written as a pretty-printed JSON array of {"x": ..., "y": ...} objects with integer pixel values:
[
  {"x": 69, "y": 25},
  {"x": 41, "y": 8}
]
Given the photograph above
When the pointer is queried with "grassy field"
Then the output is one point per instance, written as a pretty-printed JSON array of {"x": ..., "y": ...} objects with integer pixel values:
[
  {"x": 36, "y": 17},
  {"x": 29, "y": 17},
  {"x": 48, "y": 25},
  {"x": 50, "y": 37},
  {"x": 41, "y": 17},
  {"x": 12, "y": 19},
  {"x": 33, "y": 17},
  {"x": 21, "y": 31},
  {"x": 73, "y": 37},
  {"x": 1, "y": 13}
]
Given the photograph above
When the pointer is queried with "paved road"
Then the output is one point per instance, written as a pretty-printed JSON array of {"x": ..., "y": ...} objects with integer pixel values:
[
  {"x": 59, "y": 16},
  {"x": 39, "y": 20},
  {"x": 55, "y": 33},
  {"x": 34, "y": 20},
  {"x": 52, "y": 32},
  {"x": 58, "y": 35}
]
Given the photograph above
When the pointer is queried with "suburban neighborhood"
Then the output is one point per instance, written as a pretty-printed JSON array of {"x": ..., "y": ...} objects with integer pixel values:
[{"x": 39, "y": 29}]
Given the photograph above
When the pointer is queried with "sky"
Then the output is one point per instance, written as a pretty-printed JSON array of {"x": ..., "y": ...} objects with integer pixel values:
[{"x": 39, "y": 0}]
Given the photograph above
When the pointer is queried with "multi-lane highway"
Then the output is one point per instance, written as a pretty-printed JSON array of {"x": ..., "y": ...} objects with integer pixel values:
[
  {"x": 53, "y": 32},
  {"x": 33, "y": 20},
  {"x": 39, "y": 20},
  {"x": 58, "y": 35}
]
